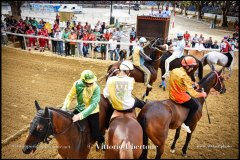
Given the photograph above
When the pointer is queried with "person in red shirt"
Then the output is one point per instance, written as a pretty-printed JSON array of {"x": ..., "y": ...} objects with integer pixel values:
[
  {"x": 41, "y": 41},
  {"x": 186, "y": 36},
  {"x": 107, "y": 35},
  {"x": 57, "y": 18},
  {"x": 31, "y": 40},
  {"x": 79, "y": 26},
  {"x": 85, "y": 45},
  {"x": 55, "y": 26},
  {"x": 225, "y": 48}
]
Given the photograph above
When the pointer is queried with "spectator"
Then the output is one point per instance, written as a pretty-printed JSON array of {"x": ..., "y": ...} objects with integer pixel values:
[
  {"x": 58, "y": 35},
  {"x": 54, "y": 42},
  {"x": 210, "y": 41},
  {"x": 103, "y": 48},
  {"x": 166, "y": 13},
  {"x": 91, "y": 37},
  {"x": 79, "y": 27},
  {"x": 72, "y": 37},
  {"x": 87, "y": 27},
  {"x": 68, "y": 23},
  {"x": 107, "y": 35},
  {"x": 215, "y": 45},
  {"x": 31, "y": 40},
  {"x": 55, "y": 26},
  {"x": 199, "y": 46},
  {"x": 57, "y": 18},
  {"x": 132, "y": 34},
  {"x": 159, "y": 14},
  {"x": 186, "y": 36},
  {"x": 20, "y": 30},
  {"x": 80, "y": 44},
  {"x": 194, "y": 40},
  {"x": 112, "y": 48},
  {"x": 45, "y": 30},
  {"x": 41, "y": 41},
  {"x": 118, "y": 34},
  {"x": 103, "y": 27},
  {"x": 152, "y": 12},
  {"x": 201, "y": 38},
  {"x": 232, "y": 43},
  {"x": 85, "y": 45},
  {"x": 206, "y": 44},
  {"x": 34, "y": 24},
  {"x": 65, "y": 36}
]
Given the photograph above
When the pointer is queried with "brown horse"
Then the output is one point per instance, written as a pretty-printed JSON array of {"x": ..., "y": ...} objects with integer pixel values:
[
  {"x": 124, "y": 136},
  {"x": 155, "y": 53},
  {"x": 176, "y": 64},
  {"x": 74, "y": 139},
  {"x": 157, "y": 117}
]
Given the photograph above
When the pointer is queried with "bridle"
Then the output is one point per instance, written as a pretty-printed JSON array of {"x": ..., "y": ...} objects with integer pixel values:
[
  {"x": 218, "y": 80},
  {"x": 50, "y": 131}
]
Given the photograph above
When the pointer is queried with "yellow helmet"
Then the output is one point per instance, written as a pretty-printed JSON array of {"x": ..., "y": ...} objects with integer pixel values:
[{"x": 88, "y": 76}]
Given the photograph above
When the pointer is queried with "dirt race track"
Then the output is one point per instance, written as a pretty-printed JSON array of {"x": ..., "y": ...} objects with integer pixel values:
[{"x": 27, "y": 77}]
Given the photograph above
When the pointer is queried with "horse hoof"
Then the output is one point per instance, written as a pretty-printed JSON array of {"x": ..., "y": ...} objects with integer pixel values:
[
  {"x": 172, "y": 150},
  {"x": 184, "y": 154},
  {"x": 160, "y": 86}
]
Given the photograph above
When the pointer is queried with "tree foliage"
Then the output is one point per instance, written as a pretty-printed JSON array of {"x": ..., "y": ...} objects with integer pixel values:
[{"x": 16, "y": 7}]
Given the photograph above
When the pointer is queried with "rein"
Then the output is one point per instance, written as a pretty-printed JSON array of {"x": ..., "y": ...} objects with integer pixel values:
[{"x": 218, "y": 80}]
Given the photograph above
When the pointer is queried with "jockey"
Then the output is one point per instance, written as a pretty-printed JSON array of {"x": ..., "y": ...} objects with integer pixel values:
[
  {"x": 88, "y": 96},
  {"x": 119, "y": 89},
  {"x": 178, "y": 50},
  {"x": 225, "y": 48},
  {"x": 181, "y": 90},
  {"x": 139, "y": 58}
]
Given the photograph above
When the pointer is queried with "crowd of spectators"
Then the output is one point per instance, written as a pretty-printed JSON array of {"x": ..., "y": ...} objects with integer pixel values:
[
  {"x": 200, "y": 42},
  {"x": 74, "y": 30}
]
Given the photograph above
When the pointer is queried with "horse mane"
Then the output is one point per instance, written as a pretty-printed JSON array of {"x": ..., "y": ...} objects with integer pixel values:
[
  {"x": 64, "y": 113},
  {"x": 206, "y": 77}
]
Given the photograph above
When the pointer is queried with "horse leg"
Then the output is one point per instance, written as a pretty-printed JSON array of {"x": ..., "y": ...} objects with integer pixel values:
[
  {"x": 160, "y": 150},
  {"x": 172, "y": 150},
  {"x": 189, "y": 136},
  {"x": 144, "y": 97}
]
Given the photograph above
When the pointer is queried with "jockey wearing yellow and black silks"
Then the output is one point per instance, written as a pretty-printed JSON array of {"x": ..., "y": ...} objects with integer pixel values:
[
  {"x": 139, "y": 58},
  {"x": 88, "y": 96},
  {"x": 181, "y": 90},
  {"x": 119, "y": 89}
]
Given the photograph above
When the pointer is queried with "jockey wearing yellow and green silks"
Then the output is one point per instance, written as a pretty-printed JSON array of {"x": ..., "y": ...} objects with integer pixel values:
[{"x": 87, "y": 92}]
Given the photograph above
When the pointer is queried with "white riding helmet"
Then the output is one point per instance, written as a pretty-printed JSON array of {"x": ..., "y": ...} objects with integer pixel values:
[
  {"x": 179, "y": 35},
  {"x": 126, "y": 66},
  {"x": 142, "y": 40}
]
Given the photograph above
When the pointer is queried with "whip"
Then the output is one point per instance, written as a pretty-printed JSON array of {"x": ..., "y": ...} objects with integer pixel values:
[{"x": 206, "y": 107}]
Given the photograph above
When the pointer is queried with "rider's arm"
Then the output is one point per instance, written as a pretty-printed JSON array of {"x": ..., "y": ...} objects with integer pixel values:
[
  {"x": 188, "y": 84},
  {"x": 95, "y": 99},
  {"x": 69, "y": 97},
  {"x": 144, "y": 55}
]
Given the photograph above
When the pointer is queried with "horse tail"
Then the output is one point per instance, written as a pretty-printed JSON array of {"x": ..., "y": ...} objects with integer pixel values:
[
  {"x": 143, "y": 123},
  {"x": 125, "y": 151},
  {"x": 200, "y": 70}
]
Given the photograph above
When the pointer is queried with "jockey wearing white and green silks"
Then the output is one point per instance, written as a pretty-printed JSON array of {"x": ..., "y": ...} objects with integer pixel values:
[{"x": 87, "y": 92}]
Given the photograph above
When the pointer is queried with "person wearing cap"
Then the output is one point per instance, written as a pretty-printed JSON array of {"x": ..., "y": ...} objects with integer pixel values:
[
  {"x": 119, "y": 89},
  {"x": 87, "y": 92},
  {"x": 178, "y": 49},
  {"x": 166, "y": 13},
  {"x": 181, "y": 90},
  {"x": 226, "y": 48},
  {"x": 139, "y": 58}
]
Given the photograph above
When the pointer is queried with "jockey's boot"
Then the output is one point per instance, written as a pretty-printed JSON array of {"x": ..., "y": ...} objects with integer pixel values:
[
  {"x": 186, "y": 128},
  {"x": 149, "y": 86}
]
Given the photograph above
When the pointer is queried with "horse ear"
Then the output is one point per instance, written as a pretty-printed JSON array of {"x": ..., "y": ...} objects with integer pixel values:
[
  {"x": 37, "y": 106},
  {"x": 46, "y": 112}
]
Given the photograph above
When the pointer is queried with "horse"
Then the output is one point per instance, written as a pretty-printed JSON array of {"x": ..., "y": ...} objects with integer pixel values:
[
  {"x": 123, "y": 54},
  {"x": 124, "y": 136},
  {"x": 176, "y": 63},
  {"x": 152, "y": 65},
  {"x": 218, "y": 58},
  {"x": 74, "y": 139},
  {"x": 157, "y": 117}
]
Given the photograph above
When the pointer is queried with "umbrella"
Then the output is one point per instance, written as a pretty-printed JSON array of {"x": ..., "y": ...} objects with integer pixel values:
[{"x": 151, "y": 3}]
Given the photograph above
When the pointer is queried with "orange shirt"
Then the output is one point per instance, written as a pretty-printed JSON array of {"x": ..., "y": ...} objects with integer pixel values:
[{"x": 72, "y": 37}]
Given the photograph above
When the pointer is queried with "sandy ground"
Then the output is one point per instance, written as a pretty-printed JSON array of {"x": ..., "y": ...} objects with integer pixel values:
[{"x": 47, "y": 78}]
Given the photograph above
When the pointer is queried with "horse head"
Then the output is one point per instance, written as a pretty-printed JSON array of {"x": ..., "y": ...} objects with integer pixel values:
[{"x": 40, "y": 129}]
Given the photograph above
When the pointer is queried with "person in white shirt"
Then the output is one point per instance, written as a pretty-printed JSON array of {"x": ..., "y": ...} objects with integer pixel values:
[
  {"x": 113, "y": 49},
  {"x": 178, "y": 49},
  {"x": 152, "y": 12},
  {"x": 58, "y": 35},
  {"x": 199, "y": 46},
  {"x": 166, "y": 13}
]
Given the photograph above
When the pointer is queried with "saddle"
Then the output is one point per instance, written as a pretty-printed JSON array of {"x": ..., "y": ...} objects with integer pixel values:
[{"x": 130, "y": 114}]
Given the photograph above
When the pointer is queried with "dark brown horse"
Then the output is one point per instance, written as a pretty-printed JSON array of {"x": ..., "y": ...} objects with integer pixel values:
[
  {"x": 176, "y": 64},
  {"x": 74, "y": 139},
  {"x": 155, "y": 53},
  {"x": 157, "y": 117},
  {"x": 124, "y": 136}
]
